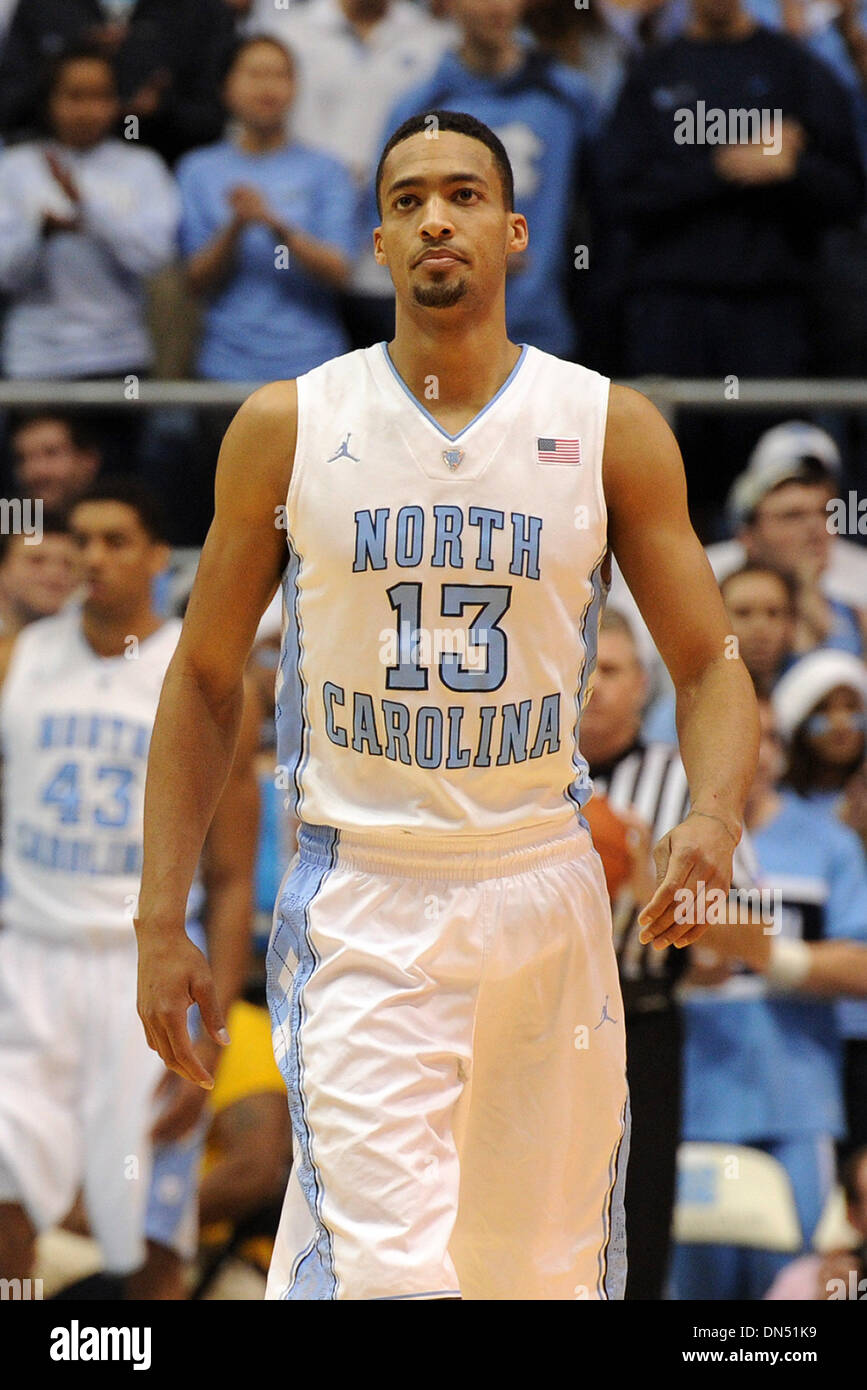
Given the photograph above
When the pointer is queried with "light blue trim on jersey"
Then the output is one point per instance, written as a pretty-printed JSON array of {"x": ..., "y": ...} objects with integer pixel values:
[
  {"x": 426, "y": 413},
  {"x": 611, "y": 1282},
  {"x": 313, "y": 1275},
  {"x": 591, "y": 616},
  {"x": 408, "y": 1297},
  {"x": 291, "y": 714}
]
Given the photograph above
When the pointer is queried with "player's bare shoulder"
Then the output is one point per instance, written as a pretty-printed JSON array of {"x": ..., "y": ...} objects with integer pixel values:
[
  {"x": 641, "y": 459},
  {"x": 634, "y": 428},
  {"x": 259, "y": 447}
]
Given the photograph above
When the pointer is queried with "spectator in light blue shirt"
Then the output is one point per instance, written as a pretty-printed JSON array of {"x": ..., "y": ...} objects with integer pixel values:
[
  {"x": 269, "y": 229},
  {"x": 84, "y": 219}
]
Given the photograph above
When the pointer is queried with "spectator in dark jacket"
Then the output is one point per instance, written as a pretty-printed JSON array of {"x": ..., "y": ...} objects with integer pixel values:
[
  {"x": 730, "y": 153},
  {"x": 167, "y": 55}
]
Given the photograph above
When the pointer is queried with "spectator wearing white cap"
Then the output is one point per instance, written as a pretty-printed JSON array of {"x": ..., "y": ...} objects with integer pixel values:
[
  {"x": 820, "y": 710},
  {"x": 779, "y": 506},
  {"x": 779, "y": 451},
  {"x": 843, "y": 580}
]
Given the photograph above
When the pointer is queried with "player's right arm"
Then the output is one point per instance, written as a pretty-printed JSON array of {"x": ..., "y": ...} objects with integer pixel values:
[{"x": 198, "y": 719}]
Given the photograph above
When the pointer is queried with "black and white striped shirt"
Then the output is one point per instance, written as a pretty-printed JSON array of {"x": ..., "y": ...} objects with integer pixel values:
[{"x": 649, "y": 778}]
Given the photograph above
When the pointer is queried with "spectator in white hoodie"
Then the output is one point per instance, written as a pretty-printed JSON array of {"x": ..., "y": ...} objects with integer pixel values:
[{"x": 84, "y": 220}]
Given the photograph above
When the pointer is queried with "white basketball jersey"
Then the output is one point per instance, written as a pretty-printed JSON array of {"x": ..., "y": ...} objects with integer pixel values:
[
  {"x": 442, "y": 599},
  {"x": 75, "y": 730}
]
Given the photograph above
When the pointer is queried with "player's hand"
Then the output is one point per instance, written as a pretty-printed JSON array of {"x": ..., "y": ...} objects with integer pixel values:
[
  {"x": 182, "y": 1102},
  {"x": 172, "y": 975},
  {"x": 699, "y": 850}
]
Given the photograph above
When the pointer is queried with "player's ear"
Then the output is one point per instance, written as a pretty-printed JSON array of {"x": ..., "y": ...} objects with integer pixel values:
[
  {"x": 519, "y": 233},
  {"x": 378, "y": 252}
]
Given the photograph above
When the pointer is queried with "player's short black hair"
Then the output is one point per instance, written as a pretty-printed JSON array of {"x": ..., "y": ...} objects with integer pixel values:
[
  {"x": 239, "y": 46},
  {"x": 462, "y": 124},
  {"x": 54, "y": 523},
  {"x": 119, "y": 487}
]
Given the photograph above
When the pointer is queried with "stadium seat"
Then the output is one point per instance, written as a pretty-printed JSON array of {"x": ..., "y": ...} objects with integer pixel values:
[{"x": 728, "y": 1194}]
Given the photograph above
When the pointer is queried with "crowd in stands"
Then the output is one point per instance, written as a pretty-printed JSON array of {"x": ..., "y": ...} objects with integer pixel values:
[{"x": 186, "y": 189}]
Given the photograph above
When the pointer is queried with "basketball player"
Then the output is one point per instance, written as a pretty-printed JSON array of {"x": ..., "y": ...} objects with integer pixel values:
[
  {"x": 442, "y": 979},
  {"x": 76, "y": 1079}
]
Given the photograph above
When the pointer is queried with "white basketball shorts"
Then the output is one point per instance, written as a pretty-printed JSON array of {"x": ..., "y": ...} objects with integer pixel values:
[
  {"x": 447, "y": 1017},
  {"x": 76, "y": 1086}
]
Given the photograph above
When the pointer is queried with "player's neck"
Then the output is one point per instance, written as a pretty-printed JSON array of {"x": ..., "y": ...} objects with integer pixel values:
[
  {"x": 452, "y": 369},
  {"x": 110, "y": 635}
]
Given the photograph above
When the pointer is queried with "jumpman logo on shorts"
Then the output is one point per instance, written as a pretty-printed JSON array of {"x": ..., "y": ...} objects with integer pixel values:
[
  {"x": 343, "y": 451},
  {"x": 606, "y": 1017}
]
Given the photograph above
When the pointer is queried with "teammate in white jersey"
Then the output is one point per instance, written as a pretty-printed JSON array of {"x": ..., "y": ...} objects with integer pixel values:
[
  {"x": 442, "y": 979},
  {"x": 79, "y": 697}
]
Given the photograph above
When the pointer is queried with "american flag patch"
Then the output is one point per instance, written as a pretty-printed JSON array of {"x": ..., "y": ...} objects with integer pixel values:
[{"x": 559, "y": 451}]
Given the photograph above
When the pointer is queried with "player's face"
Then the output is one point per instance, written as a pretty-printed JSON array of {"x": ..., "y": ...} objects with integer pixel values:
[
  {"x": 791, "y": 527},
  {"x": 118, "y": 558},
  {"x": 40, "y": 578},
  {"x": 840, "y": 718},
  {"x": 761, "y": 618},
  {"x": 260, "y": 87},
  {"x": 446, "y": 234},
  {"x": 83, "y": 106},
  {"x": 613, "y": 712},
  {"x": 48, "y": 465}
]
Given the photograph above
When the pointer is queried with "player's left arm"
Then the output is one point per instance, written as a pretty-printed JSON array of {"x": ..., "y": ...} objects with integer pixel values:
[
  {"x": 664, "y": 564},
  {"x": 229, "y": 862}
]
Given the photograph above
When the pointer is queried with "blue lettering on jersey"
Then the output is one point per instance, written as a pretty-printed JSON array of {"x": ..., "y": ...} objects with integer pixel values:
[
  {"x": 370, "y": 540},
  {"x": 449, "y": 524},
  {"x": 120, "y": 738},
  {"x": 486, "y": 518},
  {"x": 525, "y": 544},
  {"x": 388, "y": 726},
  {"x": 410, "y": 520},
  {"x": 447, "y": 550}
]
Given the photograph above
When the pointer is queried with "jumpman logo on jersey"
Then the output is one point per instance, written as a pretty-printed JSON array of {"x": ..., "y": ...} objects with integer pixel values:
[
  {"x": 606, "y": 1017},
  {"x": 343, "y": 451}
]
